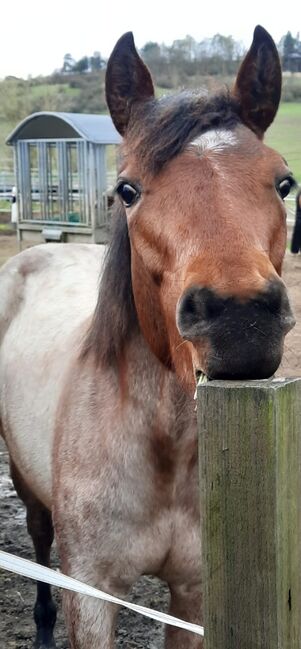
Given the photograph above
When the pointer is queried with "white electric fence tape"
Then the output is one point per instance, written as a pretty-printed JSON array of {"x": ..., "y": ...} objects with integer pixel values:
[{"x": 40, "y": 573}]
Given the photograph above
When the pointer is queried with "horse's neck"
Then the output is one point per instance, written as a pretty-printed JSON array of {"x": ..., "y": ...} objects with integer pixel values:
[{"x": 143, "y": 380}]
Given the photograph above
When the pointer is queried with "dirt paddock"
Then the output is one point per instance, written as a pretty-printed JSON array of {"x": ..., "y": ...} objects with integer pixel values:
[{"x": 17, "y": 594}]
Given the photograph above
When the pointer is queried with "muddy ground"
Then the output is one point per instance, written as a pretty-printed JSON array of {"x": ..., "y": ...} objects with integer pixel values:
[{"x": 17, "y": 594}]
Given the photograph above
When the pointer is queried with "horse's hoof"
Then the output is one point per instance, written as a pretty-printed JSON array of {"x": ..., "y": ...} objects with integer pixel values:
[{"x": 50, "y": 645}]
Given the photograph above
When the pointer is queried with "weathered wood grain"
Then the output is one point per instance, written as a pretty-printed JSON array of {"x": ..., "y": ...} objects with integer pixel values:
[{"x": 250, "y": 476}]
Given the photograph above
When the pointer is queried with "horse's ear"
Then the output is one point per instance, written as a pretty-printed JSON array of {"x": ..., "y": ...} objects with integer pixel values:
[
  {"x": 128, "y": 80},
  {"x": 258, "y": 83}
]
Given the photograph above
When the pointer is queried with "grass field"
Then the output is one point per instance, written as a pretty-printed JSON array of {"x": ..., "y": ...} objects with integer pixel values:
[
  {"x": 46, "y": 89},
  {"x": 285, "y": 136}
]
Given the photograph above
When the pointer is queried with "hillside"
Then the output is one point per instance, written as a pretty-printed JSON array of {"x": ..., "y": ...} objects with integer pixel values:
[{"x": 85, "y": 93}]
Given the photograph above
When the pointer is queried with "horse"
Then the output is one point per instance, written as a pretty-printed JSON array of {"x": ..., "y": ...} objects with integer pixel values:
[{"x": 97, "y": 381}]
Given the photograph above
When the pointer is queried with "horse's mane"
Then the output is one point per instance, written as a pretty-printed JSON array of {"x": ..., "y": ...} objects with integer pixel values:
[
  {"x": 158, "y": 131},
  {"x": 115, "y": 318}
]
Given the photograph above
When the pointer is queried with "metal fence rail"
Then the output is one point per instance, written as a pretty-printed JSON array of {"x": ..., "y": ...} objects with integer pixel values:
[{"x": 60, "y": 183}]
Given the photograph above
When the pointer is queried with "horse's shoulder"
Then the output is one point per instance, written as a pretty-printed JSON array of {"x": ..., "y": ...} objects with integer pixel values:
[
  {"x": 39, "y": 257},
  {"x": 38, "y": 264}
]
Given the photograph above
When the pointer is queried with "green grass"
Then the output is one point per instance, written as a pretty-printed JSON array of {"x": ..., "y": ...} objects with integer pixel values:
[
  {"x": 160, "y": 92},
  {"x": 6, "y": 153},
  {"x": 51, "y": 89},
  {"x": 5, "y": 227},
  {"x": 285, "y": 136},
  {"x": 5, "y": 204}
]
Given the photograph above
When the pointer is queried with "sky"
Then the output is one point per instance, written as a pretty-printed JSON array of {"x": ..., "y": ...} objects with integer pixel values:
[{"x": 35, "y": 35}]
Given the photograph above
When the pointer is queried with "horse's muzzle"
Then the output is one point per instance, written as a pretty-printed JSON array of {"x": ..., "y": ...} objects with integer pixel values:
[{"x": 244, "y": 338}]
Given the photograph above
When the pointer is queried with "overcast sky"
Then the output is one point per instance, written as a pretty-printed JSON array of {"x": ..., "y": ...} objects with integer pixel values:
[{"x": 35, "y": 35}]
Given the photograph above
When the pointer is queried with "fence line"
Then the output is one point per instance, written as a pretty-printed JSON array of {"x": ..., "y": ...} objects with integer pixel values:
[
  {"x": 34, "y": 571},
  {"x": 250, "y": 483}
]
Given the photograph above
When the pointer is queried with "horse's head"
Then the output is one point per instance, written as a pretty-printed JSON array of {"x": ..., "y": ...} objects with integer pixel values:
[{"x": 203, "y": 199}]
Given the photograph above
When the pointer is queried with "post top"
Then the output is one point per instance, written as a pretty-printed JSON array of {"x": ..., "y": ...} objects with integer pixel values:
[{"x": 263, "y": 384}]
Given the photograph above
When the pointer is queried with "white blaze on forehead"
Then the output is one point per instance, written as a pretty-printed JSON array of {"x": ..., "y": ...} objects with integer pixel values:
[{"x": 214, "y": 140}]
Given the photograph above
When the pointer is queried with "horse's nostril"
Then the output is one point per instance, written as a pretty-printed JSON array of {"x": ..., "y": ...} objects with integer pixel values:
[
  {"x": 197, "y": 309},
  {"x": 190, "y": 305},
  {"x": 191, "y": 312},
  {"x": 191, "y": 308},
  {"x": 212, "y": 304},
  {"x": 274, "y": 296}
]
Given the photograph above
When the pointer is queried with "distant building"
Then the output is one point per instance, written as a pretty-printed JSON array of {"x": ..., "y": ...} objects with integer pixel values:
[{"x": 65, "y": 167}]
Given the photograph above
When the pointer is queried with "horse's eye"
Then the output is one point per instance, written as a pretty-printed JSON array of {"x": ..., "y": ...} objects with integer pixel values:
[
  {"x": 284, "y": 186},
  {"x": 128, "y": 193}
]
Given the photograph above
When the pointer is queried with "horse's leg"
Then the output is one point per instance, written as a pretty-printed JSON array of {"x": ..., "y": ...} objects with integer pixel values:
[
  {"x": 40, "y": 528},
  {"x": 185, "y": 603},
  {"x": 90, "y": 622}
]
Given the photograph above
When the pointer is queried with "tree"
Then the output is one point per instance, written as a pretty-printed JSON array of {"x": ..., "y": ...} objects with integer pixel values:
[
  {"x": 82, "y": 65},
  {"x": 68, "y": 64},
  {"x": 290, "y": 48},
  {"x": 288, "y": 45},
  {"x": 96, "y": 62},
  {"x": 151, "y": 54},
  {"x": 184, "y": 49},
  {"x": 150, "y": 50}
]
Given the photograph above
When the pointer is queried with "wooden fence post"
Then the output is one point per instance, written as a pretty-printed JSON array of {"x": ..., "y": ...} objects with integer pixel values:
[{"x": 250, "y": 476}]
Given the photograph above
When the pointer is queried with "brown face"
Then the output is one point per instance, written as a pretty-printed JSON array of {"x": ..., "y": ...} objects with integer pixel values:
[{"x": 208, "y": 235}]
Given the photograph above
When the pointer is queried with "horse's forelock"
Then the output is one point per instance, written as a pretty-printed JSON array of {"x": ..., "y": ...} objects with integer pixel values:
[{"x": 160, "y": 129}]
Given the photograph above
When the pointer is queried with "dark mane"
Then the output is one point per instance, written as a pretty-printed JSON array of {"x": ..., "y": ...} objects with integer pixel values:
[
  {"x": 115, "y": 318},
  {"x": 160, "y": 129}
]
